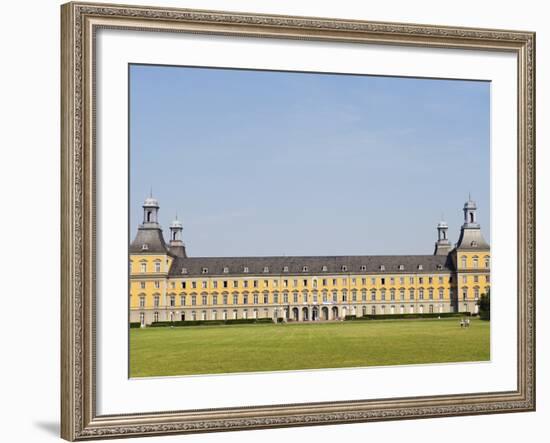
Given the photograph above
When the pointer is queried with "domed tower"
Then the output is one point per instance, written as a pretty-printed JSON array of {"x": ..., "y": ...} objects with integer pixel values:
[
  {"x": 177, "y": 247},
  {"x": 470, "y": 232},
  {"x": 442, "y": 245},
  {"x": 149, "y": 238}
]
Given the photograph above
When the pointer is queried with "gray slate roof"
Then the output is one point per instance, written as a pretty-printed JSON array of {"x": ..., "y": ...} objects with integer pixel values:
[
  {"x": 335, "y": 265},
  {"x": 471, "y": 238},
  {"x": 152, "y": 237}
]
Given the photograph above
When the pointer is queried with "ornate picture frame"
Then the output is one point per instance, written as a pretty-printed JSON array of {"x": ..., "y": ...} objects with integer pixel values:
[{"x": 80, "y": 22}]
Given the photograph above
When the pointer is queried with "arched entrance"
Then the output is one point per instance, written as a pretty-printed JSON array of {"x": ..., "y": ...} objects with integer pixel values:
[
  {"x": 295, "y": 314},
  {"x": 315, "y": 314},
  {"x": 305, "y": 314},
  {"x": 335, "y": 312},
  {"x": 324, "y": 313}
]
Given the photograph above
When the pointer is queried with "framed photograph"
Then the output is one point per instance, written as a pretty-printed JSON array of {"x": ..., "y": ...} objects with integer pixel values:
[{"x": 275, "y": 221}]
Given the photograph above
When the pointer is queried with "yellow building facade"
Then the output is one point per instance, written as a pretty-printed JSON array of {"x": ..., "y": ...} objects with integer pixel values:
[{"x": 167, "y": 285}]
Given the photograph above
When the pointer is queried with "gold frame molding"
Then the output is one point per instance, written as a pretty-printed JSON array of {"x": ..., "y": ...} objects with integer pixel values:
[{"x": 79, "y": 22}]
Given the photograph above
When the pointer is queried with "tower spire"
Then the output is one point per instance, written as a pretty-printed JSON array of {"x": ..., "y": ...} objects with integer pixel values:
[
  {"x": 442, "y": 245},
  {"x": 177, "y": 247}
]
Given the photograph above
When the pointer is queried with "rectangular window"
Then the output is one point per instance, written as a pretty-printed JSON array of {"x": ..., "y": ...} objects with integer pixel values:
[
  {"x": 476, "y": 278},
  {"x": 392, "y": 281},
  {"x": 430, "y": 280},
  {"x": 431, "y": 293},
  {"x": 383, "y": 294},
  {"x": 401, "y": 280},
  {"x": 305, "y": 282},
  {"x": 353, "y": 281},
  {"x": 354, "y": 296},
  {"x": 143, "y": 267},
  {"x": 194, "y": 284},
  {"x": 373, "y": 280},
  {"x": 373, "y": 295},
  {"x": 255, "y": 299},
  {"x": 255, "y": 283},
  {"x": 275, "y": 298},
  {"x": 157, "y": 284},
  {"x": 204, "y": 299},
  {"x": 245, "y": 284},
  {"x": 285, "y": 283},
  {"x": 215, "y": 284},
  {"x": 225, "y": 283},
  {"x": 411, "y": 294},
  {"x": 182, "y": 300},
  {"x": 266, "y": 299},
  {"x": 324, "y": 282},
  {"x": 235, "y": 283},
  {"x": 183, "y": 285},
  {"x": 235, "y": 299},
  {"x": 334, "y": 296},
  {"x": 295, "y": 283},
  {"x": 214, "y": 299},
  {"x": 157, "y": 301},
  {"x": 172, "y": 300},
  {"x": 344, "y": 281},
  {"x": 364, "y": 295},
  {"x": 285, "y": 297},
  {"x": 142, "y": 301},
  {"x": 295, "y": 297},
  {"x": 157, "y": 266},
  {"x": 441, "y": 292},
  {"x": 363, "y": 281},
  {"x": 204, "y": 284},
  {"x": 464, "y": 279},
  {"x": 225, "y": 299},
  {"x": 382, "y": 281},
  {"x": 193, "y": 300},
  {"x": 420, "y": 280},
  {"x": 440, "y": 280},
  {"x": 266, "y": 283},
  {"x": 411, "y": 280},
  {"x": 142, "y": 284},
  {"x": 402, "y": 294}
]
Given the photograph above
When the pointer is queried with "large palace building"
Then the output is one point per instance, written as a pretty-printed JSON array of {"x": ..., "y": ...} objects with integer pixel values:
[{"x": 167, "y": 285}]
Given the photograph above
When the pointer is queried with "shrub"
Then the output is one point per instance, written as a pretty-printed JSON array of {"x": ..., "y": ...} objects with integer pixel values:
[
  {"x": 405, "y": 316},
  {"x": 134, "y": 325}
]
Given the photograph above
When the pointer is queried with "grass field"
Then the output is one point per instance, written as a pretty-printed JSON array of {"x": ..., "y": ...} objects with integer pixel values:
[{"x": 271, "y": 347}]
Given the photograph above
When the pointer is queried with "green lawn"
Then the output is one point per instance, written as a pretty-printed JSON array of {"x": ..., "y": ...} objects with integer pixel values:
[{"x": 270, "y": 347}]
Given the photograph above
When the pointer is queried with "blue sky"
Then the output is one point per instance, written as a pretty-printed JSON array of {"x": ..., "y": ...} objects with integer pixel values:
[{"x": 278, "y": 163}]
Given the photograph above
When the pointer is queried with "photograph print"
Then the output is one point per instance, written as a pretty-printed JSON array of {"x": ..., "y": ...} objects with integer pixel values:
[{"x": 284, "y": 221}]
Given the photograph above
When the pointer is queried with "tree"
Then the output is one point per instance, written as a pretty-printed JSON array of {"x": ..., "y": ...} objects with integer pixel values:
[{"x": 484, "y": 304}]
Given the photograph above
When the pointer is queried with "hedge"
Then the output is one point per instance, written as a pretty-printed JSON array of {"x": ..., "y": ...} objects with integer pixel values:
[
  {"x": 404, "y": 316},
  {"x": 238, "y": 321},
  {"x": 135, "y": 325}
]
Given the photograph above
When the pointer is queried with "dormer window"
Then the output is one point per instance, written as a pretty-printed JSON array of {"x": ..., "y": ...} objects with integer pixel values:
[
  {"x": 363, "y": 268},
  {"x": 382, "y": 267},
  {"x": 245, "y": 270},
  {"x": 266, "y": 269},
  {"x": 439, "y": 267},
  {"x": 420, "y": 267},
  {"x": 401, "y": 267},
  {"x": 304, "y": 269},
  {"x": 324, "y": 268},
  {"x": 184, "y": 270},
  {"x": 205, "y": 270},
  {"x": 473, "y": 244},
  {"x": 344, "y": 268},
  {"x": 285, "y": 269},
  {"x": 144, "y": 247},
  {"x": 226, "y": 270}
]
